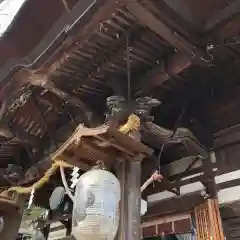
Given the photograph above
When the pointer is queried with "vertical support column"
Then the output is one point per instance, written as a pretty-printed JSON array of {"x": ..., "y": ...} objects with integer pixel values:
[
  {"x": 123, "y": 203},
  {"x": 12, "y": 216},
  {"x": 130, "y": 207},
  {"x": 133, "y": 193}
]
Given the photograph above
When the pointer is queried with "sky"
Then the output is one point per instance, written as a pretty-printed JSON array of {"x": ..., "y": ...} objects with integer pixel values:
[{"x": 8, "y": 10}]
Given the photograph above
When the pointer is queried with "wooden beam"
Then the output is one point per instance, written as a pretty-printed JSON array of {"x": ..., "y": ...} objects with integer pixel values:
[
  {"x": 227, "y": 30},
  {"x": 179, "y": 204},
  {"x": 145, "y": 17},
  {"x": 226, "y": 161},
  {"x": 187, "y": 52},
  {"x": 148, "y": 19},
  {"x": 169, "y": 185},
  {"x": 176, "y": 224},
  {"x": 227, "y": 137},
  {"x": 173, "y": 65},
  {"x": 182, "y": 203},
  {"x": 173, "y": 206},
  {"x": 228, "y": 184},
  {"x": 223, "y": 15},
  {"x": 178, "y": 15},
  {"x": 65, "y": 4}
]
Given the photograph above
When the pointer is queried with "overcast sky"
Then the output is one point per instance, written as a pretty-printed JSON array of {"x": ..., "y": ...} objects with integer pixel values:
[{"x": 8, "y": 10}]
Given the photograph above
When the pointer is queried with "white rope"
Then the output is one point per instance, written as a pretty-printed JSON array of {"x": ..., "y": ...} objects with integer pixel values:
[
  {"x": 65, "y": 184},
  {"x": 155, "y": 177}
]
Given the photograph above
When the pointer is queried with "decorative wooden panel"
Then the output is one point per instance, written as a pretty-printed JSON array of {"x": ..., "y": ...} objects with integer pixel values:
[
  {"x": 165, "y": 228},
  {"x": 149, "y": 231},
  {"x": 208, "y": 221},
  {"x": 177, "y": 224},
  {"x": 86, "y": 146}
]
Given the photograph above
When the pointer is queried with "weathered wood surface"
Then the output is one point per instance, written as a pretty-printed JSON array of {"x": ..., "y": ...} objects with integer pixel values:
[
  {"x": 11, "y": 210},
  {"x": 86, "y": 146}
]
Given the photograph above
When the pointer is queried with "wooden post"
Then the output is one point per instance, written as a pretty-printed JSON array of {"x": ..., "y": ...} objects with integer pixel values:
[
  {"x": 133, "y": 194},
  {"x": 12, "y": 216},
  {"x": 208, "y": 221},
  {"x": 130, "y": 207},
  {"x": 122, "y": 224}
]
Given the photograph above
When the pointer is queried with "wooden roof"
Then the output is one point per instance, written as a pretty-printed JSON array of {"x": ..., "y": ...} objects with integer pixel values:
[{"x": 186, "y": 55}]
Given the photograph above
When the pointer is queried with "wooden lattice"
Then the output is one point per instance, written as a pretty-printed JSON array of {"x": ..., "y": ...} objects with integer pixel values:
[{"x": 208, "y": 221}]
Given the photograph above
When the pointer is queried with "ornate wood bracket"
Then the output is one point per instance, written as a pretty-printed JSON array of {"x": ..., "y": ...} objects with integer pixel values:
[{"x": 86, "y": 146}]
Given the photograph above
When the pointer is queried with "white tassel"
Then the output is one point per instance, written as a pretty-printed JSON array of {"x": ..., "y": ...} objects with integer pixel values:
[
  {"x": 75, "y": 176},
  {"x": 31, "y": 198}
]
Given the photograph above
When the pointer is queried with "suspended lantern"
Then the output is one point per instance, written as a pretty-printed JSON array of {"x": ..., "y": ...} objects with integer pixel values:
[{"x": 96, "y": 206}]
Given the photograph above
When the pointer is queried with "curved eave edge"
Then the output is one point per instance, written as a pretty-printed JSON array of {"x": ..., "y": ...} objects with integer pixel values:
[
  {"x": 63, "y": 29},
  {"x": 9, "y": 11}
]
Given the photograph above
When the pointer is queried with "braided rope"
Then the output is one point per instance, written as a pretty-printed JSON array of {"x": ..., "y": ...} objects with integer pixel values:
[{"x": 133, "y": 123}]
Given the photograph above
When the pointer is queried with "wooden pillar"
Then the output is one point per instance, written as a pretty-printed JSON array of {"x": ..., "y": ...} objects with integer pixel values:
[
  {"x": 12, "y": 216},
  {"x": 130, "y": 206},
  {"x": 133, "y": 192},
  {"x": 122, "y": 177},
  {"x": 208, "y": 221}
]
